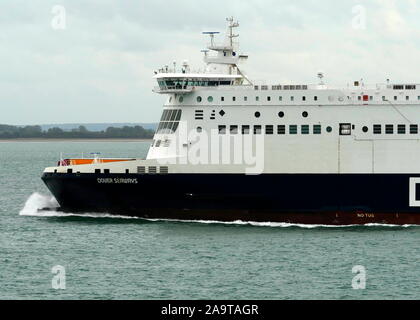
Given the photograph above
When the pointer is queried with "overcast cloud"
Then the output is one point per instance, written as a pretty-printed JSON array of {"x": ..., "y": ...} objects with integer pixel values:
[{"x": 100, "y": 68}]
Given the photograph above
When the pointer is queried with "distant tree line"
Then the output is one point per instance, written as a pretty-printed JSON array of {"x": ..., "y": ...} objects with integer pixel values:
[{"x": 15, "y": 132}]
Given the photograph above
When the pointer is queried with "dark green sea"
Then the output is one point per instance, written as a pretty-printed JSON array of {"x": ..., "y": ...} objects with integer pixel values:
[{"x": 119, "y": 258}]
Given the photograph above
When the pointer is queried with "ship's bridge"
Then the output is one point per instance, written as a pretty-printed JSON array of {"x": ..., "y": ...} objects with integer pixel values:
[
  {"x": 183, "y": 83},
  {"x": 221, "y": 68}
]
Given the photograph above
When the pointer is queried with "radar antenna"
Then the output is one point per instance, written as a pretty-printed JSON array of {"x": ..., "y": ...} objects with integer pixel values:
[{"x": 211, "y": 34}]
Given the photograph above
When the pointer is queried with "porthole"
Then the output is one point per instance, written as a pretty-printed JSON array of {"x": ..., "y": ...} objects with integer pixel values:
[
  {"x": 365, "y": 129},
  {"x": 257, "y": 114},
  {"x": 329, "y": 129},
  {"x": 199, "y": 99},
  {"x": 304, "y": 114},
  {"x": 199, "y": 129},
  {"x": 210, "y": 99},
  {"x": 181, "y": 99},
  {"x": 281, "y": 114}
]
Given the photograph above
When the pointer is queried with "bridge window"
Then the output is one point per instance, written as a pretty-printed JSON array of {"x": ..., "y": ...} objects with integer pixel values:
[
  {"x": 245, "y": 130},
  {"x": 317, "y": 129},
  {"x": 222, "y": 129},
  {"x": 257, "y": 130},
  {"x": 389, "y": 129},
  {"x": 233, "y": 129},
  {"x": 169, "y": 121},
  {"x": 293, "y": 129},
  {"x": 414, "y": 129},
  {"x": 269, "y": 129}
]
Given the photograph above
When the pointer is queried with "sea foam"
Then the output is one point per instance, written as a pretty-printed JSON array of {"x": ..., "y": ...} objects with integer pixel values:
[{"x": 37, "y": 202}]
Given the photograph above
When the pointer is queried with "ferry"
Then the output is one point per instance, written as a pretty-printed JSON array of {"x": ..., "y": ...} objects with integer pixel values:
[{"x": 228, "y": 148}]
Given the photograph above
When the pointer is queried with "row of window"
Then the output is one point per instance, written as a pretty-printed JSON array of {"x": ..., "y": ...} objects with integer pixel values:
[
  {"x": 269, "y": 129},
  {"x": 390, "y": 129},
  {"x": 305, "y": 98},
  {"x": 345, "y": 129}
]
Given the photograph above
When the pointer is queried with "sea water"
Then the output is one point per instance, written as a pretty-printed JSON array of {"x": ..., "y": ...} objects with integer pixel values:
[{"x": 98, "y": 256}]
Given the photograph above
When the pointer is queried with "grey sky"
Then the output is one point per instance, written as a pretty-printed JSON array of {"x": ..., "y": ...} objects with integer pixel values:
[{"x": 100, "y": 68}]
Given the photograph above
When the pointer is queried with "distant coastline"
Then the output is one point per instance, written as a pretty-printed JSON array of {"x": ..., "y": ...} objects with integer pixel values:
[
  {"x": 36, "y": 133},
  {"x": 76, "y": 140}
]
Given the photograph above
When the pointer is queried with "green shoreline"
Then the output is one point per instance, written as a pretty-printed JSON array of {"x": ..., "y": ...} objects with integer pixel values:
[{"x": 75, "y": 140}]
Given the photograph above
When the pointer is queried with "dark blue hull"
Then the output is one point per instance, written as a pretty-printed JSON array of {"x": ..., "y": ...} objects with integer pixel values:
[{"x": 337, "y": 199}]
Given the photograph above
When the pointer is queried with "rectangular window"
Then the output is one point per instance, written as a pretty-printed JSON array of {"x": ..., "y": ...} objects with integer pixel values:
[
  {"x": 269, "y": 130},
  {"x": 268, "y": 98},
  {"x": 389, "y": 129},
  {"x": 222, "y": 129},
  {"x": 305, "y": 129},
  {"x": 345, "y": 129},
  {"x": 395, "y": 98},
  {"x": 281, "y": 129},
  {"x": 293, "y": 129},
  {"x": 245, "y": 98},
  {"x": 233, "y": 99},
  {"x": 257, "y": 130},
  {"x": 106, "y": 171},
  {"x": 127, "y": 171},
  {"x": 398, "y": 87},
  {"x": 303, "y": 98},
  {"x": 97, "y": 170},
  {"x": 401, "y": 129},
  {"x": 315, "y": 98},
  {"x": 257, "y": 98},
  {"x": 163, "y": 170},
  {"x": 292, "y": 98},
  {"x": 245, "y": 130},
  {"x": 377, "y": 129},
  {"x": 383, "y": 98},
  {"x": 152, "y": 170},
  {"x": 222, "y": 98},
  {"x": 414, "y": 129},
  {"x": 233, "y": 129},
  {"x": 407, "y": 98},
  {"x": 317, "y": 129},
  {"x": 141, "y": 170},
  {"x": 281, "y": 98}
]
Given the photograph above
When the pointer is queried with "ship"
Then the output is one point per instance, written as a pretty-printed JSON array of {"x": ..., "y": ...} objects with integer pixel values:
[{"x": 228, "y": 148}]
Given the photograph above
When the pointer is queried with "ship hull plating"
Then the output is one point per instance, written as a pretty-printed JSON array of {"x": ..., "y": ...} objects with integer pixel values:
[{"x": 330, "y": 199}]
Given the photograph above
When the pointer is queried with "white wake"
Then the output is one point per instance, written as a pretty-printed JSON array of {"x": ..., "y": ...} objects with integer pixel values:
[{"x": 36, "y": 202}]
